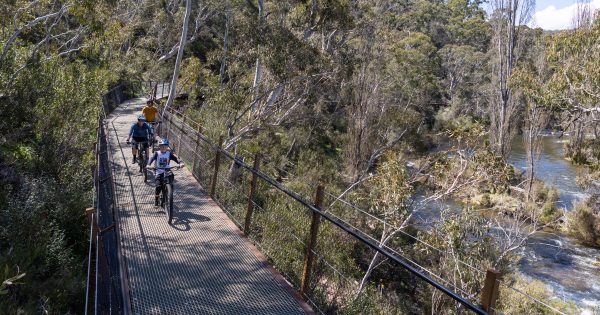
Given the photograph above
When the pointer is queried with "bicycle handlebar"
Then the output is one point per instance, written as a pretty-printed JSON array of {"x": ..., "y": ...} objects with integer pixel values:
[
  {"x": 166, "y": 168},
  {"x": 140, "y": 142}
]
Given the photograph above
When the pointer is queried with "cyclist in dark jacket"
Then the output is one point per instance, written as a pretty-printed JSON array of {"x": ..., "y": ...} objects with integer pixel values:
[{"x": 142, "y": 133}]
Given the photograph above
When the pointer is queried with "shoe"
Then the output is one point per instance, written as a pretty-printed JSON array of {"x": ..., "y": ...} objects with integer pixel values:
[
  {"x": 134, "y": 160},
  {"x": 156, "y": 202}
]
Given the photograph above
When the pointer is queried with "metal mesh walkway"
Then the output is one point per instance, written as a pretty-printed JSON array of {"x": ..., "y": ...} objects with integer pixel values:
[{"x": 198, "y": 265}]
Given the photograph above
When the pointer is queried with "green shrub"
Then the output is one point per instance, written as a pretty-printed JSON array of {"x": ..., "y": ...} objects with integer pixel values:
[
  {"x": 583, "y": 224},
  {"x": 511, "y": 302}
]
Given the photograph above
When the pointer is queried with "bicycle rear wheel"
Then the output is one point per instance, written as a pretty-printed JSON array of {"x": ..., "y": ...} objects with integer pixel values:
[{"x": 142, "y": 162}]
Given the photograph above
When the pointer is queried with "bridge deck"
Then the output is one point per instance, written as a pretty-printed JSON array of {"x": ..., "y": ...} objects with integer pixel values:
[{"x": 198, "y": 265}]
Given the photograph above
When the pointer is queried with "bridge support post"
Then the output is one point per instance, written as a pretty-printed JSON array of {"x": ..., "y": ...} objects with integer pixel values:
[
  {"x": 251, "y": 195},
  {"x": 489, "y": 295},
  {"x": 195, "y": 158},
  {"x": 314, "y": 230},
  {"x": 213, "y": 185}
]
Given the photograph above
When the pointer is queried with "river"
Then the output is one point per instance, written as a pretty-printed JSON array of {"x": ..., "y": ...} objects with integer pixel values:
[
  {"x": 552, "y": 168},
  {"x": 557, "y": 260}
]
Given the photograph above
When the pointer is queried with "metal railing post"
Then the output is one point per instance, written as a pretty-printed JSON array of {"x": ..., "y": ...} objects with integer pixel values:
[
  {"x": 88, "y": 213},
  {"x": 314, "y": 230},
  {"x": 213, "y": 186},
  {"x": 169, "y": 122},
  {"x": 95, "y": 227},
  {"x": 196, "y": 151},
  {"x": 181, "y": 131},
  {"x": 251, "y": 195}
]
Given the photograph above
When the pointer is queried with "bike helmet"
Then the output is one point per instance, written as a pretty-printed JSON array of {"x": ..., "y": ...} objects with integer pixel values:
[
  {"x": 141, "y": 117},
  {"x": 163, "y": 142}
]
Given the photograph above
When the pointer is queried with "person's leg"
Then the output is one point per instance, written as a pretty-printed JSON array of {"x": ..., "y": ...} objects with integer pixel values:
[
  {"x": 157, "y": 189},
  {"x": 134, "y": 150}
]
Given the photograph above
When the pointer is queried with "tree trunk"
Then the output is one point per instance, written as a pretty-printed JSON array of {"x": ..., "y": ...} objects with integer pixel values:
[
  {"x": 510, "y": 14},
  {"x": 182, "y": 43},
  {"x": 225, "y": 47},
  {"x": 258, "y": 69}
]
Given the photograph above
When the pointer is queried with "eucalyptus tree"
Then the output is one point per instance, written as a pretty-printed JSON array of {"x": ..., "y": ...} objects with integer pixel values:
[
  {"x": 530, "y": 83},
  {"x": 507, "y": 20},
  {"x": 573, "y": 59},
  {"x": 180, "y": 49}
]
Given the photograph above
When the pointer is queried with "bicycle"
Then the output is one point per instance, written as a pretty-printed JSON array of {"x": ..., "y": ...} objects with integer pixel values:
[
  {"x": 155, "y": 128},
  {"x": 165, "y": 182},
  {"x": 142, "y": 159},
  {"x": 155, "y": 125}
]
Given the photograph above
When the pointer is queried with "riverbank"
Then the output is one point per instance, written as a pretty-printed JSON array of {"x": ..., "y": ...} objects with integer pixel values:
[{"x": 568, "y": 269}]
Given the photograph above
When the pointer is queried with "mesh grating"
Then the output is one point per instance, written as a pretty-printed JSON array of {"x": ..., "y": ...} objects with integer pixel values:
[{"x": 198, "y": 265}]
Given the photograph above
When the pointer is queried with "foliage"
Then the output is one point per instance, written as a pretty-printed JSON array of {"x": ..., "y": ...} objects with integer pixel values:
[
  {"x": 52, "y": 86},
  {"x": 342, "y": 93},
  {"x": 583, "y": 223},
  {"x": 543, "y": 203},
  {"x": 463, "y": 240},
  {"x": 6, "y": 284},
  {"x": 513, "y": 302}
]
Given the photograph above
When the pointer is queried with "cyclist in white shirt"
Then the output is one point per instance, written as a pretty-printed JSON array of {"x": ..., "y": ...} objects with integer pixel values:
[{"x": 163, "y": 158}]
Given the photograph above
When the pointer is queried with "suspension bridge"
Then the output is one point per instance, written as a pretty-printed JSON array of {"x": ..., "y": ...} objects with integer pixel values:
[{"x": 210, "y": 259}]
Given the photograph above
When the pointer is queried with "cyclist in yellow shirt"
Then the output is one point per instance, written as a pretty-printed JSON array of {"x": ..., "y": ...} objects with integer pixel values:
[{"x": 150, "y": 111}]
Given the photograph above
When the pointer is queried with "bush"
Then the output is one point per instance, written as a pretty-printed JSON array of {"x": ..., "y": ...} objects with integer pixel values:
[
  {"x": 542, "y": 193},
  {"x": 584, "y": 224},
  {"x": 512, "y": 302}
]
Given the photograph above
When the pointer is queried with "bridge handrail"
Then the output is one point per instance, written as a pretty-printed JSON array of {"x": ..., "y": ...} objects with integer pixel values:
[
  {"x": 358, "y": 235},
  {"x": 106, "y": 284},
  {"x": 117, "y": 94}
]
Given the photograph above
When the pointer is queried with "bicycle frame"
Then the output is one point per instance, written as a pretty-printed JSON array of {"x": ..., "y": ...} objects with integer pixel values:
[
  {"x": 167, "y": 178},
  {"x": 165, "y": 186},
  {"x": 142, "y": 157}
]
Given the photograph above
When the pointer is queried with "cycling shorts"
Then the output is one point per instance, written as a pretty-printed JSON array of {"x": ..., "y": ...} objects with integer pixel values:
[{"x": 142, "y": 140}]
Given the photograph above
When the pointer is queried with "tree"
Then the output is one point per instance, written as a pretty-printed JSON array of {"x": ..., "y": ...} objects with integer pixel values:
[
  {"x": 508, "y": 16},
  {"x": 573, "y": 59},
  {"x": 530, "y": 83},
  {"x": 181, "y": 48},
  {"x": 464, "y": 81}
]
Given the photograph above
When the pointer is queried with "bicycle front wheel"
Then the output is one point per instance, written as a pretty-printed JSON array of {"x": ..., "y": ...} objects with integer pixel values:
[{"x": 169, "y": 202}]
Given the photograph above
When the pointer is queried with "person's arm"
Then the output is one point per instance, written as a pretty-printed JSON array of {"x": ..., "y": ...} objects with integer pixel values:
[
  {"x": 153, "y": 158},
  {"x": 175, "y": 159},
  {"x": 130, "y": 132}
]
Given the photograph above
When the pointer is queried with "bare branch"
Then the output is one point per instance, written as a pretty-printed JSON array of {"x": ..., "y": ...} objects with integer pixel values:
[{"x": 28, "y": 25}]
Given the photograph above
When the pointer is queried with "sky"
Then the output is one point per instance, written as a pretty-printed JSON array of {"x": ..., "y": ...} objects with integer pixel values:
[{"x": 556, "y": 14}]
